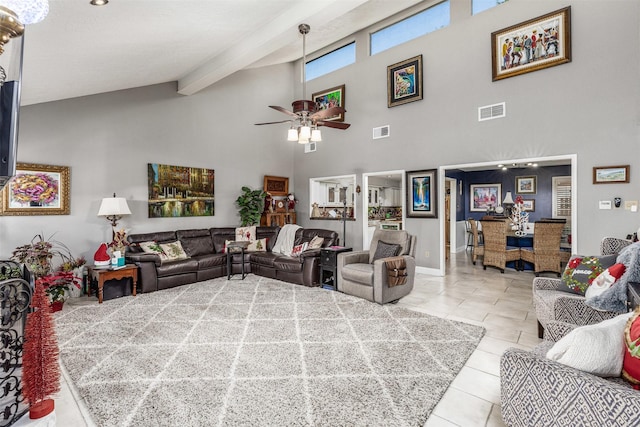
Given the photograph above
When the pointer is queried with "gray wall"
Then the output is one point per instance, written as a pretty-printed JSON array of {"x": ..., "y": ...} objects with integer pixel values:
[{"x": 588, "y": 107}]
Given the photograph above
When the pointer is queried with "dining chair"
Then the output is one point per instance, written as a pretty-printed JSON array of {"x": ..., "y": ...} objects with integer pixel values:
[
  {"x": 496, "y": 251},
  {"x": 477, "y": 246},
  {"x": 545, "y": 253},
  {"x": 467, "y": 228}
]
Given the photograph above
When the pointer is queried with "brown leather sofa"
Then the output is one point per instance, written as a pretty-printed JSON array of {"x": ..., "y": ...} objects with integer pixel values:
[{"x": 207, "y": 259}]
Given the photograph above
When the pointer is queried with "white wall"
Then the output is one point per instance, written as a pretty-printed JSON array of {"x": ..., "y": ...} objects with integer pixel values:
[{"x": 589, "y": 107}]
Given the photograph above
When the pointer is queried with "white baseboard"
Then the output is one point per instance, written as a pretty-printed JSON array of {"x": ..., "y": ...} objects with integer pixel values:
[{"x": 429, "y": 271}]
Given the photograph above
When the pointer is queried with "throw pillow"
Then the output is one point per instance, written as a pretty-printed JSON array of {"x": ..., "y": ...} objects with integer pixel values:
[
  {"x": 316, "y": 243},
  {"x": 259, "y": 245},
  {"x": 153, "y": 248},
  {"x": 581, "y": 271},
  {"x": 246, "y": 234},
  {"x": 597, "y": 349},
  {"x": 298, "y": 249},
  {"x": 174, "y": 251},
  {"x": 631, "y": 363},
  {"x": 604, "y": 281},
  {"x": 385, "y": 250}
]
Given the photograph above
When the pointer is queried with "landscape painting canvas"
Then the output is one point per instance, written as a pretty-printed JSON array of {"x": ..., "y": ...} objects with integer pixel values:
[
  {"x": 179, "y": 191},
  {"x": 421, "y": 194}
]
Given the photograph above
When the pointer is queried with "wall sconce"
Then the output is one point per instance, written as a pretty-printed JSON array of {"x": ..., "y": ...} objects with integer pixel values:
[{"x": 114, "y": 208}]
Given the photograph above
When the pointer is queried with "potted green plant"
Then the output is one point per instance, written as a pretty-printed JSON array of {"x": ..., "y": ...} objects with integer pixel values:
[{"x": 251, "y": 203}]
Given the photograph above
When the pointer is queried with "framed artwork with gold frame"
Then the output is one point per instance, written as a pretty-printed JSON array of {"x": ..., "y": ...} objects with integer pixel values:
[
  {"x": 37, "y": 190},
  {"x": 276, "y": 185}
]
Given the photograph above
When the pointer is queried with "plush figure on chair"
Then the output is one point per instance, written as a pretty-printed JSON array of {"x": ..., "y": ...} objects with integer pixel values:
[{"x": 385, "y": 273}]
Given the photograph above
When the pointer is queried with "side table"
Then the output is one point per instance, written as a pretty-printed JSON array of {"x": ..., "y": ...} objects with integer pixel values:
[
  {"x": 102, "y": 275},
  {"x": 329, "y": 266},
  {"x": 235, "y": 248}
]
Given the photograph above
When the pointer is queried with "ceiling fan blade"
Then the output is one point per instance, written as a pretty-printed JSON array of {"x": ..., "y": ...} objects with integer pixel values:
[
  {"x": 328, "y": 113},
  {"x": 283, "y": 110},
  {"x": 337, "y": 125},
  {"x": 273, "y": 123}
]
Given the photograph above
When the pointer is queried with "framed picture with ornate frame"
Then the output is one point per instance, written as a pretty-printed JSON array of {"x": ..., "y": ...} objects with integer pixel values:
[
  {"x": 404, "y": 81},
  {"x": 526, "y": 185},
  {"x": 276, "y": 185},
  {"x": 422, "y": 194},
  {"x": 37, "y": 190},
  {"x": 532, "y": 45},
  {"x": 326, "y": 99},
  {"x": 611, "y": 174},
  {"x": 484, "y": 196}
]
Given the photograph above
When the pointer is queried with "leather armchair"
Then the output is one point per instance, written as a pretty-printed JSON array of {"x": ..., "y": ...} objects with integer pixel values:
[{"x": 360, "y": 277}]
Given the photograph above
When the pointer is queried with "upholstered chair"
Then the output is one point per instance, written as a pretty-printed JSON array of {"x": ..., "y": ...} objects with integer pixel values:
[
  {"x": 362, "y": 276},
  {"x": 552, "y": 304}
]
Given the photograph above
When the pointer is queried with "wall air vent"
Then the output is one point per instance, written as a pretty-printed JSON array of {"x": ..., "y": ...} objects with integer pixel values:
[
  {"x": 489, "y": 112},
  {"x": 381, "y": 132},
  {"x": 310, "y": 147}
]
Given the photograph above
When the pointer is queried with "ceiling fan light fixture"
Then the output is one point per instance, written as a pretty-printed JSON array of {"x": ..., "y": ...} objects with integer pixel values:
[
  {"x": 303, "y": 141},
  {"x": 305, "y": 132},
  {"x": 316, "y": 136},
  {"x": 292, "y": 135},
  {"x": 98, "y": 2}
]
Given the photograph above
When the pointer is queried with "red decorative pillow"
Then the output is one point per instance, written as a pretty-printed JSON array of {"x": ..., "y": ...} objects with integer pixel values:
[
  {"x": 605, "y": 281},
  {"x": 581, "y": 271},
  {"x": 631, "y": 363},
  {"x": 298, "y": 249}
]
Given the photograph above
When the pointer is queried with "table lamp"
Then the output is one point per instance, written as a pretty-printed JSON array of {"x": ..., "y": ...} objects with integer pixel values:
[{"x": 114, "y": 208}]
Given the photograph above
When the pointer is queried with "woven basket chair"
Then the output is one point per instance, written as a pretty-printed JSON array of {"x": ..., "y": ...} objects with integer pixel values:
[
  {"x": 545, "y": 254},
  {"x": 496, "y": 252},
  {"x": 477, "y": 249}
]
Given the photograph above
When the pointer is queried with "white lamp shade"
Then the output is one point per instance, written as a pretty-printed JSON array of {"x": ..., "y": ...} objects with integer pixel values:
[
  {"x": 316, "y": 136},
  {"x": 28, "y": 11},
  {"x": 508, "y": 199},
  {"x": 305, "y": 132},
  {"x": 114, "y": 206},
  {"x": 303, "y": 141},
  {"x": 292, "y": 135}
]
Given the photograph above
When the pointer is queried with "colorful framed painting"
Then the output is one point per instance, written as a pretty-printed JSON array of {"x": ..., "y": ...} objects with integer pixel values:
[
  {"x": 37, "y": 190},
  {"x": 532, "y": 45},
  {"x": 484, "y": 196},
  {"x": 404, "y": 81},
  {"x": 422, "y": 194},
  {"x": 180, "y": 191},
  {"x": 611, "y": 174},
  {"x": 276, "y": 185},
  {"x": 529, "y": 205},
  {"x": 526, "y": 185},
  {"x": 329, "y": 98}
]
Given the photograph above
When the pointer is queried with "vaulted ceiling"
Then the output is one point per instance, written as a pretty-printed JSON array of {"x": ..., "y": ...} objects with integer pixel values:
[{"x": 80, "y": 49}]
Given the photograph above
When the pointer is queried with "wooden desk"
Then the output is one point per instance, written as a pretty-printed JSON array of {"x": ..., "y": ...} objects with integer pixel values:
[{"x": 102, "y": 275}]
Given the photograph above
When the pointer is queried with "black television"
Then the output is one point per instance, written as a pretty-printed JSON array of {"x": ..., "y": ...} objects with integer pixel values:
[{"x": 9, "y": 114}]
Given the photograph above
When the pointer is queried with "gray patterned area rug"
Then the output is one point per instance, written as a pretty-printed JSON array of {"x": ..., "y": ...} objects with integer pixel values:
[{"x": 258, "y": 352}]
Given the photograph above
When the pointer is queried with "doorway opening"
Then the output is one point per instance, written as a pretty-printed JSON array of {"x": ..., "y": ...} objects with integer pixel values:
[
  {"x": 529, "y": 167},
  {"x": 383, "y": 203}
]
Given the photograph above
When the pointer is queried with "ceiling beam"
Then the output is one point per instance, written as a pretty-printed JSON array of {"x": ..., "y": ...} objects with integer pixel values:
[{"x": 265, "y": 40}]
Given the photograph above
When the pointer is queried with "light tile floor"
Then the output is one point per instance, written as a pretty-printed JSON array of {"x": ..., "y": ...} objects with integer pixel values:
[{"x": 502, "y": 303}]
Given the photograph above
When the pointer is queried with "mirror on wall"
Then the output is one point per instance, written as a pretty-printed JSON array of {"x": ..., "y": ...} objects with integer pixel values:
[{"x": 333, "y": 197}]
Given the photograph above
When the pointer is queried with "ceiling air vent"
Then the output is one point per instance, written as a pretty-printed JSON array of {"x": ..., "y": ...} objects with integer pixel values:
[
  {"x": 489, "y": 112},
  {"x": 310, "y": 147},
  {"x": 381, "y": 132}
]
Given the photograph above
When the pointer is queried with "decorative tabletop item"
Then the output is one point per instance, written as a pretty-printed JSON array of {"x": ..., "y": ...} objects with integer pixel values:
[
  {"x": 101, "y": 258},
  {"x": 519, "y": 218}
]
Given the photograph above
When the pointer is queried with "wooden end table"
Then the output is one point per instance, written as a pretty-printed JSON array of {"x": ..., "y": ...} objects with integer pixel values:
[{"x": 102, "y": 275}]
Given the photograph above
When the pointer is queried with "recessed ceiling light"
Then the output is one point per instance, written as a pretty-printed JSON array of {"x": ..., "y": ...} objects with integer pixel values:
[
  {"x": 99, "y": 2},
  {"x": 504, "y": 168},
  {"x": 535, "y": 165},
  {"x": 500, "y": 165}
]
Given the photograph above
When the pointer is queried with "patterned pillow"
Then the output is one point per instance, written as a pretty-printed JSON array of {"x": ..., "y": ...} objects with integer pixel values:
[
  {"x": 631, "y": 361},
  {"x": 316, "y": 243},
  {"x": 174, "y": 251},
  {"x": 298, "y": 249},
  {"x": 386, "y": 250},
  {"x": 246, "y": 234},
  {"x": 153, "y": 248},
  {"x": 581, "y": 271},
  {"x": 259, "y": 245}
]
